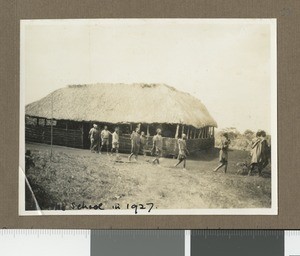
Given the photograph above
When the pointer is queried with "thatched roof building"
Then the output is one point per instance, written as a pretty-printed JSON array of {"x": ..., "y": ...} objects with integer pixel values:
[
  {"x": 65, "y": 116},
  {"x": 123, "y": 103}
]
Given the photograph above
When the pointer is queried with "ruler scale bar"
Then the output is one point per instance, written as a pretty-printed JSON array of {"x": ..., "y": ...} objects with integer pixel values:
[{"x": 150, "y": 242}]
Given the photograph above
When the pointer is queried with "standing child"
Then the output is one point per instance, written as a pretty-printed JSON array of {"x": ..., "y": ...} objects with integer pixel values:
[
  {"x": 223, "y": 156},
  {"x": 115, "y": 141},
  {"x": 157, "y": 146},
  {"x": 183, "y": 151}
]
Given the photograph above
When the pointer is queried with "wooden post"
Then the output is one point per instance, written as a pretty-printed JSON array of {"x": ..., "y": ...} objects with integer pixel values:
[
  {"x": 199, "y": 135},
  {"x": 195, "y": 133},
  {"x": 177, "y": 131},
  {"x": 182, "y": 132},
  {"x": 213, "y": 131},
  {"x": 188, "y": 133}
]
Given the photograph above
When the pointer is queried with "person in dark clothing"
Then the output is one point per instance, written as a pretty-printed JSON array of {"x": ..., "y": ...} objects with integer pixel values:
[
  {"x": 265, "y": 151},
  {"x": 28, "y": 160}
]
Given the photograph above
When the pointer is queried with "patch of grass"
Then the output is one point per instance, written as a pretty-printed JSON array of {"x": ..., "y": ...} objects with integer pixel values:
[{"x": 66, "y": 179}]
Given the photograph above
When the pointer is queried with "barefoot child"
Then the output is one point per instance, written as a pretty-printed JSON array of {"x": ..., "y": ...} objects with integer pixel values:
[
  {"x": 223, "y": 156},
  {"x": 115, "y": 141},
  {"x": 183, "y": 151}
]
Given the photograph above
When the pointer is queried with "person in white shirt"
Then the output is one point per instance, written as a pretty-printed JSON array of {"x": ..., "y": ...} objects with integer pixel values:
[{"x": 115, "y": 141}]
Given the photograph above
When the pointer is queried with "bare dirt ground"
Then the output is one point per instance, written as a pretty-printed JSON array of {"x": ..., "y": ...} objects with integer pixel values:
[{"x": 75, "y": 175}]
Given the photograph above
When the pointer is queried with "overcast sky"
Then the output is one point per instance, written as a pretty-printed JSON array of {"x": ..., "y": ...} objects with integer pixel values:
[{"x": 227, "y": 65}]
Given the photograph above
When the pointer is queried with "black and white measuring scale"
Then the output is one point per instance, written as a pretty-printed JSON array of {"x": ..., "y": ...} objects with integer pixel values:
[{"x": 149, "y": 242}]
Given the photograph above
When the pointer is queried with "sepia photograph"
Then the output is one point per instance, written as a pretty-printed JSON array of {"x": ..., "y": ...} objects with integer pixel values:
[{"x": 148, "y": 117}]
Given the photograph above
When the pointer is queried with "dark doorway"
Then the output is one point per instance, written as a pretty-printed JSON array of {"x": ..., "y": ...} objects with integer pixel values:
[{"x": 86, "y": 129}]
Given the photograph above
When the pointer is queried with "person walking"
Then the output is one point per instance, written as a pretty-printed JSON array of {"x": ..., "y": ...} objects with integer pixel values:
[
  {"x": 183, "y": 151},
  {"x": 135, "y": 144},
  {"x": 94, "y": 138},
  {"x": 223, "y": 155},
  {"x": 157, "y": 146}
]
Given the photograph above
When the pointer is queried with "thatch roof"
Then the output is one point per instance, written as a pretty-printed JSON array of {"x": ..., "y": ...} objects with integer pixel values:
[{"x": 123, "y": 103}]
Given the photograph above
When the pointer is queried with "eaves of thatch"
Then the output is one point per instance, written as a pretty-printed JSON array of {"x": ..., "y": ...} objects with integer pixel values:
[{"x": 123, "y": 103}]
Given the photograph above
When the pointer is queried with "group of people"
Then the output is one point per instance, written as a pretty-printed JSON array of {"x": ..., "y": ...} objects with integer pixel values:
[
  {"x": 100, "y": 139},
  {"x": 138, "y": 140},
  {"x": 260, "y": 153},
  {"x": 260, "y": 150},
  {"x": 138, "y": 144}
]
